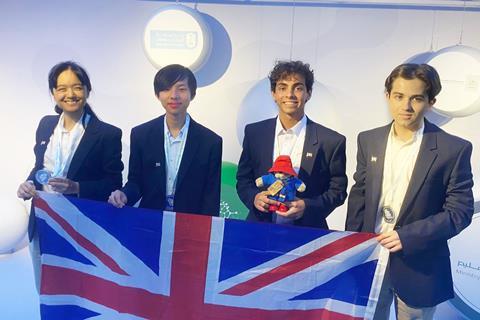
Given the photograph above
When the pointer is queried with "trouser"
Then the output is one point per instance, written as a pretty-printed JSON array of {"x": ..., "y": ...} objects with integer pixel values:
[{"x": 402, "y": 310}]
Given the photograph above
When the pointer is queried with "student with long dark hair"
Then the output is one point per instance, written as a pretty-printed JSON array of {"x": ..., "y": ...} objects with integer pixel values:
[{"x": 75, "y": 153}]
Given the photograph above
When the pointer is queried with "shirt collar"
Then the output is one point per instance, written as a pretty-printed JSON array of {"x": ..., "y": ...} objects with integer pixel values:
[
  {"x": 418, "y": 134},
  {"x": 296, "y": 129},
  {"x": 182, "y": 132},
  {"x": 61, "y": 123}
]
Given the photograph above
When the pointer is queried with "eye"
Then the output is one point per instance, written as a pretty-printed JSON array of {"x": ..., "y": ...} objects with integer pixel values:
[
  {"x": 419, "y": 99},
  {"x": 299, "y": 89},
  {"x": 78, "y": 88},
  {"x": 61, "y": 89}
]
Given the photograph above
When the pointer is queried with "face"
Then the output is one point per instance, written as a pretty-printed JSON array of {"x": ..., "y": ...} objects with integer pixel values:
[
  {"x": 408, "y": 103},
  {"x": 176, "y": 99},
  {"x": 290, "y": 95},
  {"x": 70, "y": 94}
]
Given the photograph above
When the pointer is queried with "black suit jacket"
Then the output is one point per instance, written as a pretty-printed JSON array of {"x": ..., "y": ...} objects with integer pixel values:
[
  {"x": 96, "y": 165},
  {"x": 322, "y": 170},
  {"x": 198, "y": 180},
  {"x": 438, "y": 204}
]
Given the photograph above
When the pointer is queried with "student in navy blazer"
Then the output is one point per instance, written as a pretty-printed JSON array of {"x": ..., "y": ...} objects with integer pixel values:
[
  {"x": 321, "y": 156},
  {"x": 90, "y": 165},
  {"x": 437, "y": 202},
  {"x": 194, "y": 173}
]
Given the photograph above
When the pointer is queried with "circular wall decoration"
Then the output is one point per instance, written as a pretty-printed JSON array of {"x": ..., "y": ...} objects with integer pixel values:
[
  {"x": 459, "y": 69},
  {"x": 177, "y": 34},
  {"x": 465, "y": 261}
]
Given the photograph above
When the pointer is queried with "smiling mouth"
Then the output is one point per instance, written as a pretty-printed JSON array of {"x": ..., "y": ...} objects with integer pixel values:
[{"x": 72, "y": 102}]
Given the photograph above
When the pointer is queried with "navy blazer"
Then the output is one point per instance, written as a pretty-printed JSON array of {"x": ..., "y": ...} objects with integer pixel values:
[
  {"x": 96, "y": 165},
  {"x": 322, "y": 170},
  {"x": 438, "y": 204},
  {"x": 198, "y": 180}
]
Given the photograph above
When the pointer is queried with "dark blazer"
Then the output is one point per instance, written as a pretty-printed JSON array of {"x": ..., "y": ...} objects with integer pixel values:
[
  {"x": 322, "y": 170},
  {"x": 198, "y": 180},
  {"x": 96, "y": 165},
  {"x": 438, "y": 204}
]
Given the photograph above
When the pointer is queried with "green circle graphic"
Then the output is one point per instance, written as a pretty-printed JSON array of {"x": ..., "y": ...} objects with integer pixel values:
[{"x": 230, "y": 204}]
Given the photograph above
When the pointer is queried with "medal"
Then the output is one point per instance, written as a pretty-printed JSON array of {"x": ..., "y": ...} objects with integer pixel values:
[
  {"x": 42, "y": 176},
  {"x": 169, "y": 206},
  {"x": 388, "y": 214}
]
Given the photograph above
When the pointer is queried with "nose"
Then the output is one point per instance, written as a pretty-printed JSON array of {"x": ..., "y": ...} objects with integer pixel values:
[
  {"x": 174, "y": 94},
  {"x": 70, "y": 92},
  {"x": 290, "y": 92},
  {"x": 407, "y": 105}
]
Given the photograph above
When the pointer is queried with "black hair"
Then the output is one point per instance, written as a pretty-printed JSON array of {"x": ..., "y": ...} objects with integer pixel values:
[
  {"x": 171, "y": 74},
  {"x": 284, "y": 69},
  {"x": 423, "y": 72},
  {"x": 81, "y": 74}
]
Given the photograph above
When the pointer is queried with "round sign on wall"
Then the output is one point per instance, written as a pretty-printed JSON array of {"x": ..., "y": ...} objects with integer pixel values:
[
  {"x": 465, "y": 260},
  {"x": 177, "y": 34},
  {"x": 459, "y": 70}
]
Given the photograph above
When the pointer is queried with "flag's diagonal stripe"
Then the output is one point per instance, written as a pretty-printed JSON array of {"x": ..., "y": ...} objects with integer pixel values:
[
  {"x": 289, "y": 287},
  {"x": 298, "y": 264},
  {"x": 136, "y": 301},
  {"x": 133, "y": 266},
  {"x": 105, "y": 313},
  {"x": 289, "y": 256},
  {"x": 106, "y": 260}
]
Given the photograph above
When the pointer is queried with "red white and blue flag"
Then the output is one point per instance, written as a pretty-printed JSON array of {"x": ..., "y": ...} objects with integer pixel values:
[{"x": 100, "y": 262}]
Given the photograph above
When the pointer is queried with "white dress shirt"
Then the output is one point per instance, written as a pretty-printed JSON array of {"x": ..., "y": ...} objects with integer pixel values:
[
  {"x": 400, "y": 158},
  {"x": 62, "y": 147}
]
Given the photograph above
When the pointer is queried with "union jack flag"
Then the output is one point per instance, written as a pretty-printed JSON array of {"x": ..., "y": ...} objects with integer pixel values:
[{"x": 100, "y": 262}]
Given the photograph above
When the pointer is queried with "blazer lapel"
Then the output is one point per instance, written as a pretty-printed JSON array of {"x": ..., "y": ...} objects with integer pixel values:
[
  {"x": 376, "y": 160},
  {"x": 191, "y": 146},
  {"x": 45, "y": 136},
  {"x": 425, "y": 158},
  {"x": 156, "y": 141},
  {"x": 86, "y": 143},
  {"x": 310, "y": 150},
  {"x": 268, "y": 143}
]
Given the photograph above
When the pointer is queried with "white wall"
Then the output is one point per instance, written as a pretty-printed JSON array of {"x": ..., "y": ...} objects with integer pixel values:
[{"x": 351, "y": 50}]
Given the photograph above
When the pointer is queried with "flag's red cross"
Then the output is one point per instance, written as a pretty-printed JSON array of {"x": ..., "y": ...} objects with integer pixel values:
[{"x": 189, "y": 266}]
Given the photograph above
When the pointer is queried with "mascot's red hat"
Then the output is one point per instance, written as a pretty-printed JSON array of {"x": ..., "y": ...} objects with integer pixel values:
[{"x": 283, "y": 164}]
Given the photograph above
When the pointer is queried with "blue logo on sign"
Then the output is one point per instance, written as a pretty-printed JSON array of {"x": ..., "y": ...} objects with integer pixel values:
[{"x": 162, "y": 39}]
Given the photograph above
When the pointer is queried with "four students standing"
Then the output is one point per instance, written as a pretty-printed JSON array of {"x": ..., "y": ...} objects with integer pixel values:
[{"x": 413, "y": 181}]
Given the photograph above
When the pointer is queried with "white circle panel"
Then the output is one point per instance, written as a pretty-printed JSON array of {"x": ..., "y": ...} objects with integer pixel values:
[
  {"x": 465, "y": 260},
  {"x": 177, "y": 34},
  {"x": 459, "y": 69}
]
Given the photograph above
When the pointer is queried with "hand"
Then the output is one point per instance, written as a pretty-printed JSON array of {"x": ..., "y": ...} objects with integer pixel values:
[
  {"x": 390, "y": 240},
  {"x": 295, "y": 210},
  {"x": 262, "y": 202},
  {"x": 117, "y": 199},
  {"x": 64, "y": 185},
  {"x": 27, "y": 190}
]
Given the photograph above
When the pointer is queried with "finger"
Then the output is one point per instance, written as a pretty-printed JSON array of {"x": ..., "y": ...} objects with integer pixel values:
[{"x": 261, "y": 207}]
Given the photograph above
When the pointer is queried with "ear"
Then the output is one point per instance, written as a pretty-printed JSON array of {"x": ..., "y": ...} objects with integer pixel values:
[
  {"x": 432, "y": 102},
  {"x": 273, "y": 95}
]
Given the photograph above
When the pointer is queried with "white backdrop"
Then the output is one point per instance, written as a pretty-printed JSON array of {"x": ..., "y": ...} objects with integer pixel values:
[{"x": 351, "y": 50}]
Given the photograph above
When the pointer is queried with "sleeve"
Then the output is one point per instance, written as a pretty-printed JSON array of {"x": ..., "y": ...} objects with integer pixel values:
[
  {"x": 356, "y": 199},
  {"x": 211, "y": 199},
  {"x": 456, "y": 212},
  {"x": 246, "y": 188},
  {"x": 132, "y": 188},
  {"x": 336, "y": 193},
  {"x": 111, "y": 168},
  {"x": 38, "y": 156}
]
